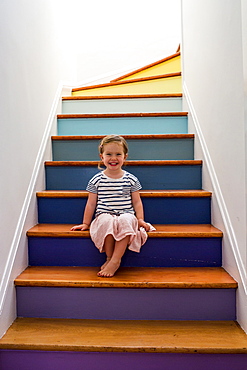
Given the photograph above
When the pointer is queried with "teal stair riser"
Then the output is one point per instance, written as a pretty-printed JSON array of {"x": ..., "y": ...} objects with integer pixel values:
[
  {"x": 131, "y": 105},
  {"x": 151, "y": 177},
  {"x": 158, "y": 210},
  {"x": 123, "y": 125},
  {"x": 126, "y": 304},
  {"x": 156, "y": 252},
  {"x": 141, "y": 149}
]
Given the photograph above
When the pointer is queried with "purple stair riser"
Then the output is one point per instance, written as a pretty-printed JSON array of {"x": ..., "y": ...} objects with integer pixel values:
[
  {"x": 156, "y": 252},
  {"x": 44, "y": 360},
  {"x": 124, "y": 303}
]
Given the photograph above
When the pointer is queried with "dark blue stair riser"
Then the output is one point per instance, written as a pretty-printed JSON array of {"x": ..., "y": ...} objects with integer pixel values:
[
  {"x": 157, "y": 210},
  {"x": 123, "y": 126},
  {"x": 151, "y": 149},
  {"x": 61, "y": 360},
  {"x": 126, "y": 304},
  {"x": 156, "y": 252},
  {"x": 151, "y": 177}
]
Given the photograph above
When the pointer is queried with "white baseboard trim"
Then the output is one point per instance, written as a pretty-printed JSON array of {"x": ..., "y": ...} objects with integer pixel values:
[{"x": 217, "y": 190}]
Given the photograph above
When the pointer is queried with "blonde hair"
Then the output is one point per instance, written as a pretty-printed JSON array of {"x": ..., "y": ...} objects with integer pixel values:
[{"x": 112, "y": 139}]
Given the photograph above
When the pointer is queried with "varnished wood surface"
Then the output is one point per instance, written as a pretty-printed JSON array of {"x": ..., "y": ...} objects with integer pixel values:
[
  {"x": 127, "y": 137},
  {"x": 143, "y": 193},
  {"x": 125, "y": 336},
  {"x": 162, "y": 231},
  {"x": 121, "y": 115},
  {"x": 147, "y": 66},
  {"x": 138, "y": 96},
  {"x": 128, "y": 277},
  {"x": 169, "y": 75},
  {"x": 129, "y": 163}
]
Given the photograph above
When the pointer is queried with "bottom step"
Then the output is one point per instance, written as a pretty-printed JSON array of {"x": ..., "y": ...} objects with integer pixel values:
[{"x": 106, "y": 344}]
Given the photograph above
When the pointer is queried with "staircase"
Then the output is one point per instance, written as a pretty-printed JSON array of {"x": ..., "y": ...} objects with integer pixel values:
[{"x": 170, "y": 307}]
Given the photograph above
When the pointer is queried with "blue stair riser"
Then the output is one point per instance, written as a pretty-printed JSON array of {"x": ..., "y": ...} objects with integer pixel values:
[
  {"x": 66, "y": 360},
  {"x": 123, "y": 125},
  {"x": 158, "y": 210},
  {"x": 142, "y": 149},
  {"x": 177, "y": 177},
  {"x": 132, "y": 105},
  {"x": 156, "y": 252},
  {"x": 126, "y": 304}
]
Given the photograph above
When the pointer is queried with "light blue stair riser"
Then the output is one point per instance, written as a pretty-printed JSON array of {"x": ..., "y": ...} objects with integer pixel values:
[
  {"x": 141, "y": 149},
  {"x": 126, "y": 304},
  {"x": 156, "y": 252},
  {"x": 158, "y": 210},
  {"x": 131, "y": 105},
  {"x": 151, "y": 177},
  {"x": 123, "y": 125}
]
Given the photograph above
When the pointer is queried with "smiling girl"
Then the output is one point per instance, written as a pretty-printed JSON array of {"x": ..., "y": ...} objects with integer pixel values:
[{"x": 114, "y": 198}]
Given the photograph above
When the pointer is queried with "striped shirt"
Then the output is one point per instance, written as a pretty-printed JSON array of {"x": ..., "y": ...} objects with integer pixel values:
[{"x": 114, "y": 195}]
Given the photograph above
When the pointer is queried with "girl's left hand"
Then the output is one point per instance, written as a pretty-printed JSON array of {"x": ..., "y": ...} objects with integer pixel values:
[{"x": 142, "y": 223}]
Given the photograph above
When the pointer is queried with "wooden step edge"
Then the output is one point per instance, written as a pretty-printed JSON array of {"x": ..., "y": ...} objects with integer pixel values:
[
  {"x": 140, "y": 96},
  {"x": 128, "y": 277},
  {"x": 147, "y": 67},
  {"x": 121, "y": 115},
  {"x": 144, "y": 79},
  {"x": 162, "y": 231},
  {"x": 127, "y": 137},
  {"x": 143, "y": 193},
  {"x": 127, "y": 163},
  {"x": 140, "y": 336}
]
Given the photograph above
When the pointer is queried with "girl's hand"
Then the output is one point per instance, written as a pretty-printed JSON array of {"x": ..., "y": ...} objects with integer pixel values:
[
  {"x": 81, "y": 227},
  {"x": 142, "y": 223}
]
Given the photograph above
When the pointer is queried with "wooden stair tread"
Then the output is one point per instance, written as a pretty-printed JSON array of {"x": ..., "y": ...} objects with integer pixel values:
[
  {"x": 121, "y": 115},
  {"x": 127, "y": 137},
  {"x": 143, "y": 193},
  {"x": 162, "y": 231},
  {"x": 153, "y": 336},
  {"x": 134, "y": 80},
  {"x": 127, "y": 277},
  {"x": 129, "y": 163},
  {"x": 140, "y": 96}
]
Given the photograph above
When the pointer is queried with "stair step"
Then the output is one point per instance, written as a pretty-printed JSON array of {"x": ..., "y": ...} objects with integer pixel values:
[
  {"x": 125, "y": 336},
  {"x": 162, "y": 231},
  {"x": 169, "y": 83},
  {"x": 127, "y": 277},
  {"x": 154, "y": 174},
  {"x": 141, "y": 147},
  {"x": 170, "y": 207},
  {"x": 122, "y": 104},
  {"x": 123, "y": 123}
]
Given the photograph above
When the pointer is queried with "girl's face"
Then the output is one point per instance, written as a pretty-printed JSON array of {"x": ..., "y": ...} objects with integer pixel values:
[{"x": 113, "y": 156}]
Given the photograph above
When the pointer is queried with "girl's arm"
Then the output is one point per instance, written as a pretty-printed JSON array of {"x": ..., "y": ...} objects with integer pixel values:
[
  {"x": 138, "y": 207},
  {"x": 88, "y": 213}
]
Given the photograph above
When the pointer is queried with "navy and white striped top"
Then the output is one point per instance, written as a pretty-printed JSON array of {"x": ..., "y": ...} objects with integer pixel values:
[{"x": 114, "y": 195}]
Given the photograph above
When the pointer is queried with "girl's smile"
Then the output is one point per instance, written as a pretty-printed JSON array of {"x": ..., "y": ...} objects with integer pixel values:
[{"x": 113, "y": 158}]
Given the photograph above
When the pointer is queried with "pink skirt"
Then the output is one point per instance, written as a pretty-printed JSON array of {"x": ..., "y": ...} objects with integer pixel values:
[{"x": 119, "y": 227}]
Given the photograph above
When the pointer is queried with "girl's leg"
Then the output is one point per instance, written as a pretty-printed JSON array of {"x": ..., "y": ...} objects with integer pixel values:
[
  {"x": 114, "y": 263},
  {"x": 108, "y": 248}
]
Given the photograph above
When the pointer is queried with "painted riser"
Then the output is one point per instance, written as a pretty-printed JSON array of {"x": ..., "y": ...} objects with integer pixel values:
[
  {"x": 157, "y": 210},
  {"x": 123, "y": 126},
  {"x": 51, "y": 360},
  {"x": 151, "y": 177},
  {"x": 132, "y": 105},
  {"x": 126, "y": 304},
  {"x": 156, "y": 252},
  {"x": 168, "y": 149}
]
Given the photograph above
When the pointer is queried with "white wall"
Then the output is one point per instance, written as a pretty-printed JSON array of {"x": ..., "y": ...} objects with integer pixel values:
[
  {"x": 32, "y": 64},
  {"x": 212, "y": 51}
]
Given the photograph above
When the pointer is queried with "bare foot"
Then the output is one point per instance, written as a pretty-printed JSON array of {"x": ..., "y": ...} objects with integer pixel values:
[
  {"x": 109, "y": 270},
  {"x": 106, "y": 263}
]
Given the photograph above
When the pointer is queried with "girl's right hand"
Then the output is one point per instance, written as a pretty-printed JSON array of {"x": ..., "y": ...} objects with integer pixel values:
[{"x": 81, "y": 227}]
